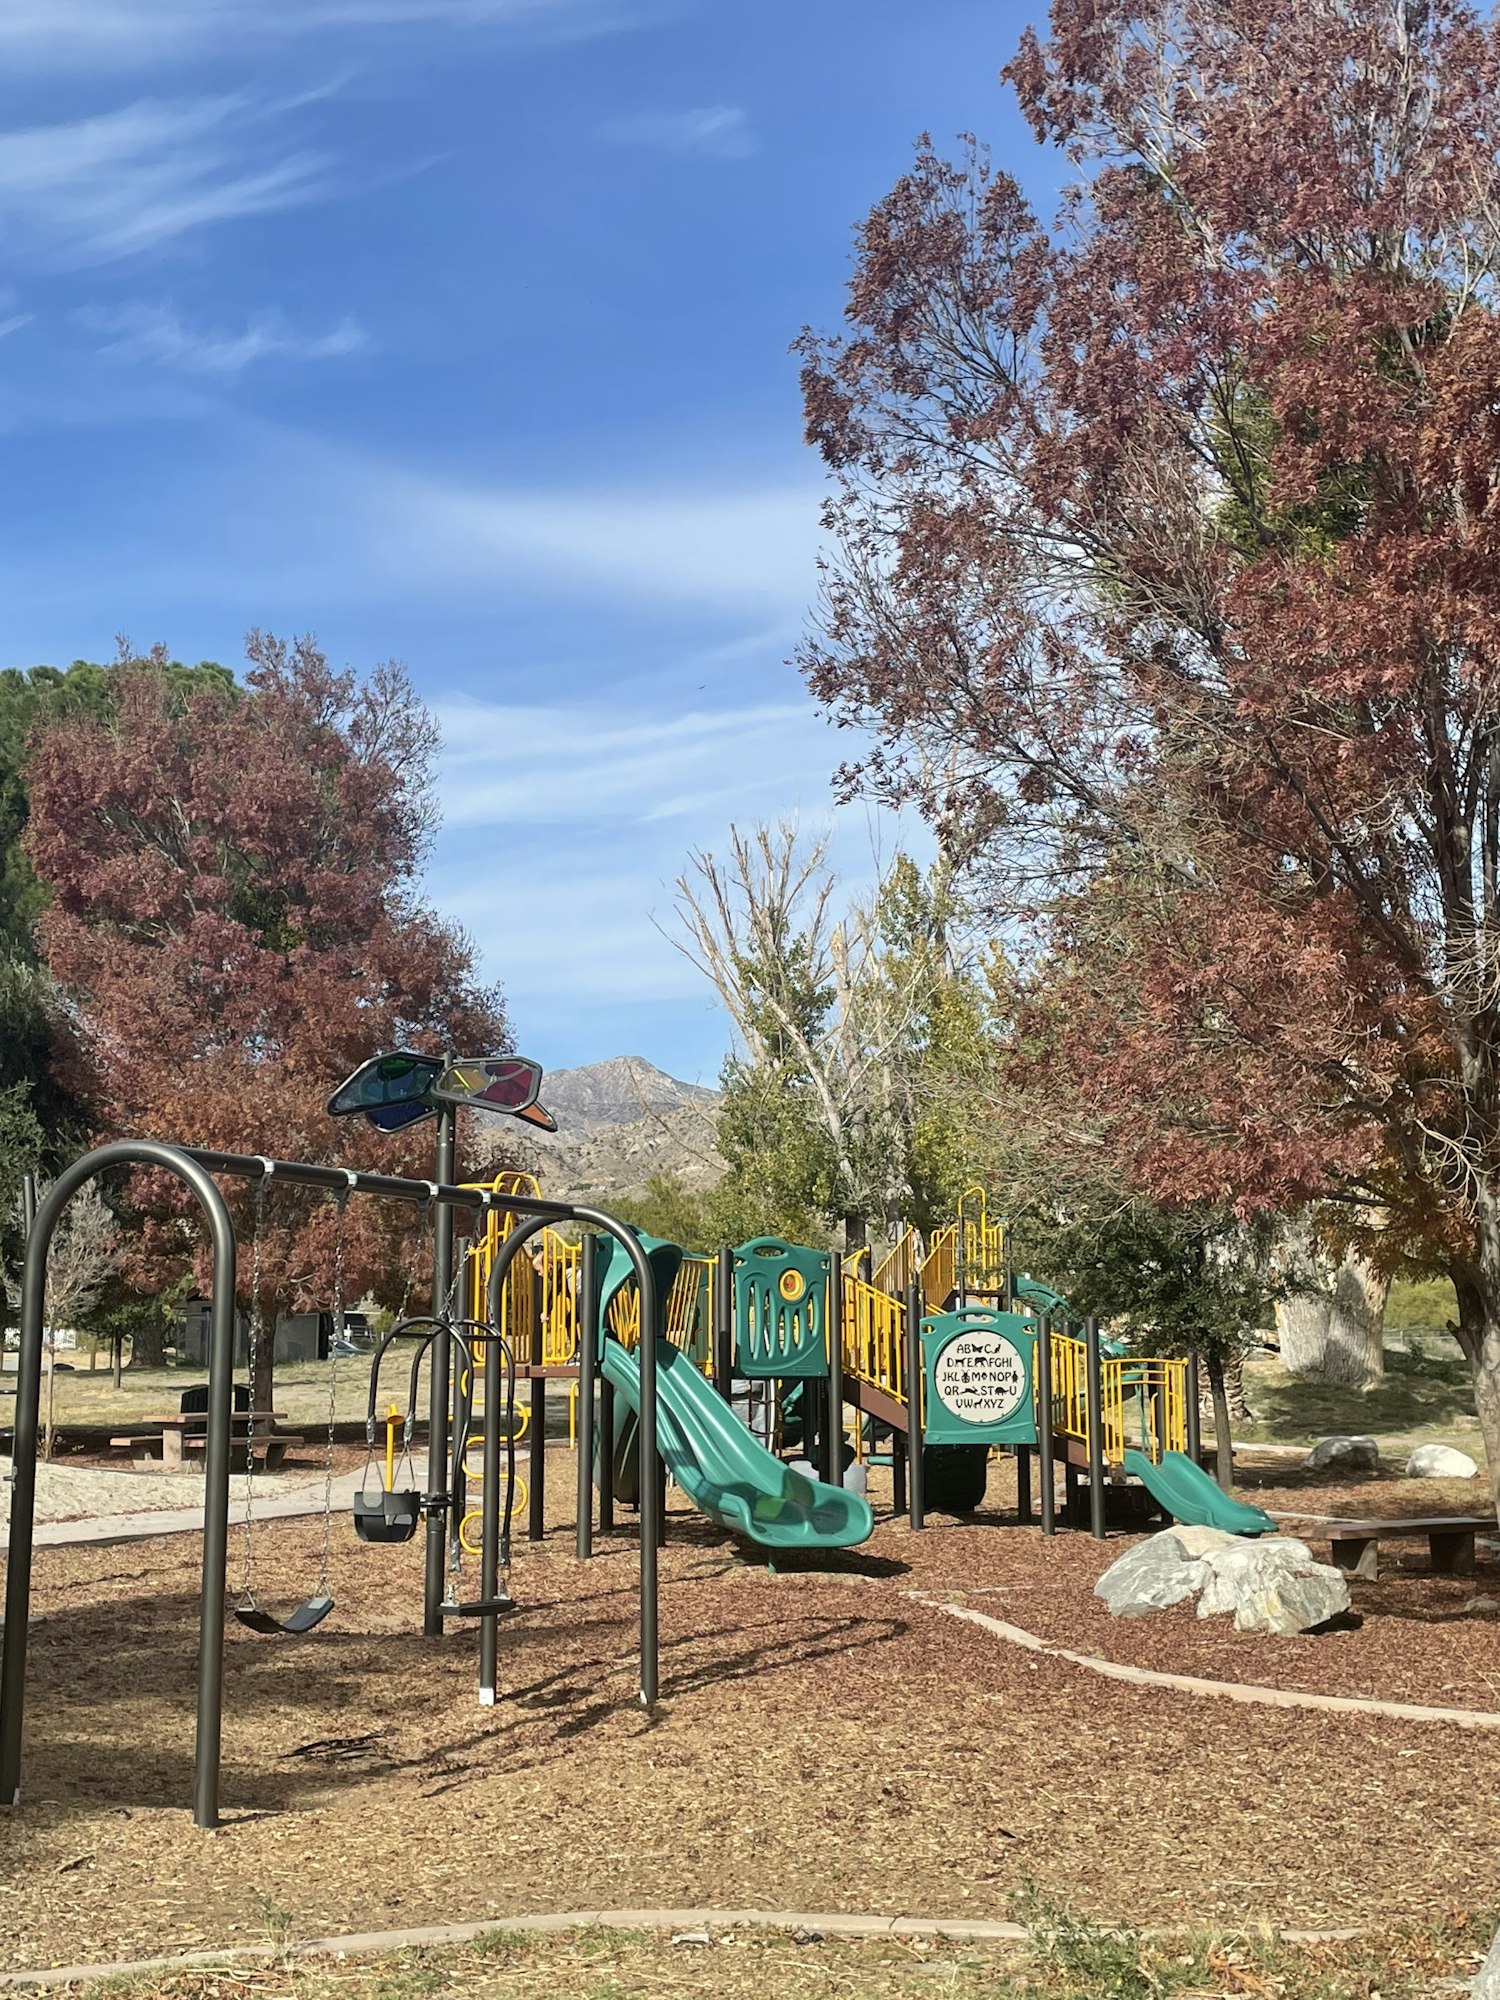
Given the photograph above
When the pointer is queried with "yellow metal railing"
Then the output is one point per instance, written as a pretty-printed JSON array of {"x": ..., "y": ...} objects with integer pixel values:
[
  {"x": 972, "y": 1248},
  {"x": 1143, "y": 1401},
  {"x": 687, "y": 1311},
  {"x": 540, "y": 1294},
  {"x": 872, "y": 1336}
]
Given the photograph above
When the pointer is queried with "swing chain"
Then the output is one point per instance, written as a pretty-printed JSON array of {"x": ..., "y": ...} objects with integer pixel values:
[
  {"x": 253, "y": 1333},
  {"x": 341, "y": 1201}
]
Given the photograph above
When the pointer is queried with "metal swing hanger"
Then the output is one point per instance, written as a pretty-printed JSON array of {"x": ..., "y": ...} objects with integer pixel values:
[
  {"x": 316, "y": 1607},
  {"x": 478, "y": 1333}
]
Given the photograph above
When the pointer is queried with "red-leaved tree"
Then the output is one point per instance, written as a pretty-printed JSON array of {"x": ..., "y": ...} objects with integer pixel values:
[
  {"x": 236, "y": 918},
  {"x": 1182, "y": 524}
]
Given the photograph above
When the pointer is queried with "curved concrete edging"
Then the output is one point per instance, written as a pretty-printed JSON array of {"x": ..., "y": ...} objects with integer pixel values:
[
  {"x": 1243, "y": 1691},
  {"x": 963, "y": 1930}
]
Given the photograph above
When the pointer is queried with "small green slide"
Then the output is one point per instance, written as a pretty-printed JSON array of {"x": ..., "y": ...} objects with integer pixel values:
[
  {"x": 1189, "y": 1495},
  {"x": 723, "y": 1470}
]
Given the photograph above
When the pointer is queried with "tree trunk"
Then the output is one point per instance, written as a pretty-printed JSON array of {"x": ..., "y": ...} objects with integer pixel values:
[
  {"x": 856, "y": 1233},
  {"x": 117, "y": 1362},
  {"x": 1223, "y": 1441},
  {"x": 1478, "y": 1332},
  {"x": 263, "y": 1368},
  {"x": 1334, "y": 1331},
  {"x": 148, "y": 1342}
]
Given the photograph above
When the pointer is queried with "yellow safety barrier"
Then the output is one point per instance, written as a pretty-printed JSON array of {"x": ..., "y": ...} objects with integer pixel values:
[
  {"x": 872, "y": 1336},
  {"x": 967, "y": 1253},
  {"x": 540, "y": 1295},
  {"x": 687, "y": 1311},
  {"x": 1153, "y": 1390}
]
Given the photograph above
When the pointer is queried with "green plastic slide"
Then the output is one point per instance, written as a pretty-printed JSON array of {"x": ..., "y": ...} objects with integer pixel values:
[
  {"x": 1189, "y": 1495},
  {"x": 723, "y": 1470}
]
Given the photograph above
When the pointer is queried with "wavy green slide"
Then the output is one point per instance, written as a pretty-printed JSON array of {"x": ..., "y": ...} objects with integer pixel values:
[
  {"x": 723, "y": 1470},
  {"x": 1189, "y": 1495}
]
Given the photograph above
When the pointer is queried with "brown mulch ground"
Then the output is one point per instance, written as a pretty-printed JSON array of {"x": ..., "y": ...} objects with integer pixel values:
[{"x": 825, "y": 1740}]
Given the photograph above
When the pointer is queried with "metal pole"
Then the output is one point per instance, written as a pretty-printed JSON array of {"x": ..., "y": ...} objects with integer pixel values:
[
  {"x": 646, "y": 1282},
  {"x": 833, "y": 1431},
  {"x": 723, "y": 1323},
  {"x": 1094, "y": 1384},
  {"x": 536, "y": 1462},
  {"x": 144, "y": 1152},
  {"x": 915, "y": 1513},
  {"x": 1193, "y": 1412},
  {"x": 440, "y": 1386},
  {"x": 1023, "y": 1485},
  {"x": 1041, "y": 1396},
  {"x": 495, "y": 1361},
  {"x": 586, "y": 1307}
]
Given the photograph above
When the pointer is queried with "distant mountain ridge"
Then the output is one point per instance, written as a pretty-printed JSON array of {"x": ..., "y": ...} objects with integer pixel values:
[
  {"x": 618, "y": 1123},
  {"x": 618, "y": 1092}
]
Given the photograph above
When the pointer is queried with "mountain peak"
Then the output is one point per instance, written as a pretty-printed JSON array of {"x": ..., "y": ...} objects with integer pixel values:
[
  {"x": 617, "y": 1092},
  {"x": 618, "y": 1123}
]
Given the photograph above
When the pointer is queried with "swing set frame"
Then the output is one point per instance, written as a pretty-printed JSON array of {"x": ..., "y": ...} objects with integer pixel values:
[{"x": 195, "y": 1167}]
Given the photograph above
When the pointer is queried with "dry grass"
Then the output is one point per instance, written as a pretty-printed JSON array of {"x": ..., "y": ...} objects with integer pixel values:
[{"x": 1065, "y": 1961}]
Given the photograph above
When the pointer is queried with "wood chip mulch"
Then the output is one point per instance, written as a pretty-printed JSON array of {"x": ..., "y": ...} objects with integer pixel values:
[{"x": 826, "y": 1740}]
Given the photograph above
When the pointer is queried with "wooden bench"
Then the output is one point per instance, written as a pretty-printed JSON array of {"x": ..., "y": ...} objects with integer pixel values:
[{"x": 1354, "y": 1545}]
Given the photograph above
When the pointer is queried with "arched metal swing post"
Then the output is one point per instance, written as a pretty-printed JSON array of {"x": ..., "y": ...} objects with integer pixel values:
[
  {"x": 645, "y": 1277},
  {"x": 192, "y": 1172}
]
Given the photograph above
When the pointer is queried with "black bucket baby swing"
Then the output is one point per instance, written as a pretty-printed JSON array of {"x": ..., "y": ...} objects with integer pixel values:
[{"x": 389, "y": 1503}]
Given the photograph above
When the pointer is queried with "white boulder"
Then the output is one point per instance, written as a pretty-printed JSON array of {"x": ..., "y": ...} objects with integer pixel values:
[
  {"x": 1440, "y": 1461},
  {"x": 1272, "y": 1585},
  {"x": 1151, "y": 1576},
  {"x": 1343, "y": 1454},
  {"x": 1269, "y": 1585}
]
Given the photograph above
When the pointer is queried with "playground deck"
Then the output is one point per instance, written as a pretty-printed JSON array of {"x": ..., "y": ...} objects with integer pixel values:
[{"x": 827, "y": 1740}]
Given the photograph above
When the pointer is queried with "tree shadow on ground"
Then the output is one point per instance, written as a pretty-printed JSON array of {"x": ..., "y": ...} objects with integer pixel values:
[{"x": 120, "y": 1677}]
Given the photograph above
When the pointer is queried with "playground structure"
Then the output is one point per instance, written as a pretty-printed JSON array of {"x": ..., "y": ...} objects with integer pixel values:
[
  {"x": 820, "y": 1333},
  {"x": 954, "y": 1364}
]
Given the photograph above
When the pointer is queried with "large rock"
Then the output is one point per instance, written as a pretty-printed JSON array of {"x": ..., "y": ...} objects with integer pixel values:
[
  {"x": 1151, "y": 1576},
  {"x": 1198, "y": 1541},
  {"x": 1343, "y": 1454},
  {"x": 1440, "y": 1461},
  {"x": 1271, "y": 1585}
]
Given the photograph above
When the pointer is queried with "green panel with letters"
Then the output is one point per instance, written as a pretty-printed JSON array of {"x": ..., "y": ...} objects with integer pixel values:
[{"x": 977, "y": 1376}]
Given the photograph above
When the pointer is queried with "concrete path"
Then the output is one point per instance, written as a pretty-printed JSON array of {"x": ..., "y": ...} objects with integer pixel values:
[
  {"x": 82, "y": 1495},
  {"x": 690, "y": 1928}
]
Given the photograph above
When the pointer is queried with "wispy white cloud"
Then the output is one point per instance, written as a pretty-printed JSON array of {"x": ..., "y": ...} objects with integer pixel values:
[
  {"x": 714, "y": 131},
  {"x": 141, "y": 331},
  {"x": 752, "y": 543},
  {"x": 128, "y": 33},
  {"x": 14, "y": 322},
  {"x": 130, "y": 180},
  {"x": 511, "y": 764},
  {"x": 565, "y": 826}
]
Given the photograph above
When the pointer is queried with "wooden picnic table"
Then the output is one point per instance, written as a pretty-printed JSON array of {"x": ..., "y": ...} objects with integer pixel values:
[{"x": 181, "y": 1430}]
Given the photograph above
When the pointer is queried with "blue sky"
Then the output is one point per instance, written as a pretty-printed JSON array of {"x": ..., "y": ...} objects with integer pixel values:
[{"x": 456, "y": 331}]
